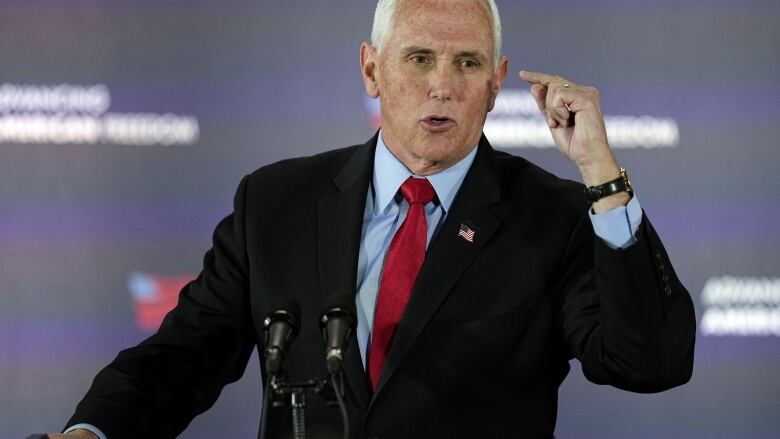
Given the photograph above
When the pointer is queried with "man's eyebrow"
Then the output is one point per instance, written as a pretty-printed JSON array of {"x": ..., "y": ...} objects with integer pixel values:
[
  {"x": 416, "y": 49},
  {"x": 470, "y": 54}
]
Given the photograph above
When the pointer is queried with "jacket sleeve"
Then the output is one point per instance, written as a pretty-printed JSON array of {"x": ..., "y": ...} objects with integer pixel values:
[
  {"x": 624, "y": 313},
  {"x": 156, "y": 388}
]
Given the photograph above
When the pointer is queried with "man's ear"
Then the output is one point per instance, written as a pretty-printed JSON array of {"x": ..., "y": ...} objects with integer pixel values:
[
  {"x": 368, "y": 62},
  {"x": 497, "y": 81}
]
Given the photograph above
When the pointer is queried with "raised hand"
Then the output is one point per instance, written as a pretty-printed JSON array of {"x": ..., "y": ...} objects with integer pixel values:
[{"x": 573, "y": 113}]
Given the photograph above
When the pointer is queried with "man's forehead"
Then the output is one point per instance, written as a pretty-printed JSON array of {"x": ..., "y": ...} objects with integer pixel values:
[
  {"x": 443, "y": 4},
  {"x": 461, "y": 24},
  {"x": 444, "y": 11}
]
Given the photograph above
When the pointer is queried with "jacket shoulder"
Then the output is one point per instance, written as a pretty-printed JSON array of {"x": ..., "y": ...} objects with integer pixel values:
[
  {"x": 327, "y": 163},
  {"x": 301, "y": 177}
]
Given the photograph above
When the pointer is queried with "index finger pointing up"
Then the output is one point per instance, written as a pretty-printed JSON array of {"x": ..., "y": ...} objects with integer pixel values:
[{"x": 537, "y": 77}]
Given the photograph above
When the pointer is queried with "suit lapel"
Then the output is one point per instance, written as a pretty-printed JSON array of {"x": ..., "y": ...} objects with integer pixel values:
[
  {"x": 339, "y": 226},
  {"x": 448, "y": 255}
]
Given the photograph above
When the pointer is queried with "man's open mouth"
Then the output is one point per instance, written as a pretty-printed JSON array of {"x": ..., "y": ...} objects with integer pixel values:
[
  {"x": 437, "y": 123},
  {"x": 438, "y": 119}
]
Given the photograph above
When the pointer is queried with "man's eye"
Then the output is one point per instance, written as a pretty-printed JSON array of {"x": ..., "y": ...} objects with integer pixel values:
[
  {"x": 420, "y": 59},
  {"x": 469, "y": 63}
]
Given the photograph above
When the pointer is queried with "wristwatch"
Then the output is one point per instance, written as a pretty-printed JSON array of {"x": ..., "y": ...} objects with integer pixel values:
[{"x": 620, "y": 184}]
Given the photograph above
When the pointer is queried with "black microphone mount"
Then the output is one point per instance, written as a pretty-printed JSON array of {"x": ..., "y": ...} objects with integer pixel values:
[{"x": 337, "y": 323}]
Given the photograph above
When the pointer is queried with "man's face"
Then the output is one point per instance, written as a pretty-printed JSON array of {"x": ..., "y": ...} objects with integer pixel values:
[{"x": 436, "y": 81}]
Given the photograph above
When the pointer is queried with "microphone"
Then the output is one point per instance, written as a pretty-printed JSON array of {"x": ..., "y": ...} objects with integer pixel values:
[
  {"x": 337, "y": 322},
  {"x": 281, "y": 327}
]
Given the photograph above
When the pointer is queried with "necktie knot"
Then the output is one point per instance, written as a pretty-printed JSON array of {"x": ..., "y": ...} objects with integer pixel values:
[{"x": 417, "y": 190}]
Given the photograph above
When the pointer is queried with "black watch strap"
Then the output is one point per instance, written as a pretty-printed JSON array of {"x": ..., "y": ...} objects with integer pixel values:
[{"x": 620, "y": 184}]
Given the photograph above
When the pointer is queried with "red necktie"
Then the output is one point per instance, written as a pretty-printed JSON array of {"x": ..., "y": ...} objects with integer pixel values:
[{"x": 404, "y": 259}]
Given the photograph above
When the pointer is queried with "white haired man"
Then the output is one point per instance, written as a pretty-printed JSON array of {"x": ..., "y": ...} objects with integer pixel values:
[{"x": 476, "y": 275}]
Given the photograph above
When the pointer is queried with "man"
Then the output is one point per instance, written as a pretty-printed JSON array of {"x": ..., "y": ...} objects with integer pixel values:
[{"x": 476, "y": 274}]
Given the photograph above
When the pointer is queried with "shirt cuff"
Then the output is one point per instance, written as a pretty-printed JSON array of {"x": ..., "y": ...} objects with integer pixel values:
[
  {"x": 617, "y": 227},
  {"x": 89, "y": 427}
]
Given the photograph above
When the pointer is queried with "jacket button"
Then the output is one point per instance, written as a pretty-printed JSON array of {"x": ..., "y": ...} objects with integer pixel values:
[{"x": 668, "y": 290}]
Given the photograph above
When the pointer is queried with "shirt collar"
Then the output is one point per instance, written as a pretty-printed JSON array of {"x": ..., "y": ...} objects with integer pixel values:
[{"x": 390, "y": 173}]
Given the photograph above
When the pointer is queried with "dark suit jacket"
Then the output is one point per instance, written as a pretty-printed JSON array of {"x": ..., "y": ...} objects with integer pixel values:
[{"x": 485, "y": 340}]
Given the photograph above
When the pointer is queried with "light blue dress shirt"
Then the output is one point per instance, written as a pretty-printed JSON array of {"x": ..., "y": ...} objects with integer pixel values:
[
  {"x": 386, "y": 210},
  {"x": 89, "y": 427}
]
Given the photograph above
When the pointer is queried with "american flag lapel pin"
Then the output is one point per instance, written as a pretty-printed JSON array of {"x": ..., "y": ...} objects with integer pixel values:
[{"x": 466, "y": 233}]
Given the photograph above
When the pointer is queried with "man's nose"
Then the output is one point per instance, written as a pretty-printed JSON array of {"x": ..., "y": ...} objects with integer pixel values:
[{"x": 442, "y": 83}]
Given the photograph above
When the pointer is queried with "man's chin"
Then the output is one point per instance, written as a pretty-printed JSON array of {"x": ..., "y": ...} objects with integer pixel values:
[{"x": 441, "y": 151}]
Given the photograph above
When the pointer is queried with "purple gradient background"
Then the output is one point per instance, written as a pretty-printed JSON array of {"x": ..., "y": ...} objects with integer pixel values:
[{"x": 270, "y": 80}]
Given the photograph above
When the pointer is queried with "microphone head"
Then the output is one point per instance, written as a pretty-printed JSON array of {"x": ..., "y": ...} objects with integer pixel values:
[
  {"x": 284, "y": 308},
  {"x": 280, "y": 327},
  {"x": 339, "y": 304},
  {"x": 337, "y": 322}
]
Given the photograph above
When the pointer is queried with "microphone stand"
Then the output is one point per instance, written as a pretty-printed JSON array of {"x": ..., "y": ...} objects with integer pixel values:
[
  {"x": 298, "y": 399},
  {"x": 337, "y": 381},
  {"x": 266, "y": 403},
  {"x": 279, "y": 391}
]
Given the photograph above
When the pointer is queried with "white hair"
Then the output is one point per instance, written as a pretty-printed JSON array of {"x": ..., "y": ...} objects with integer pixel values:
[{"x": 383, "y": 21}]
